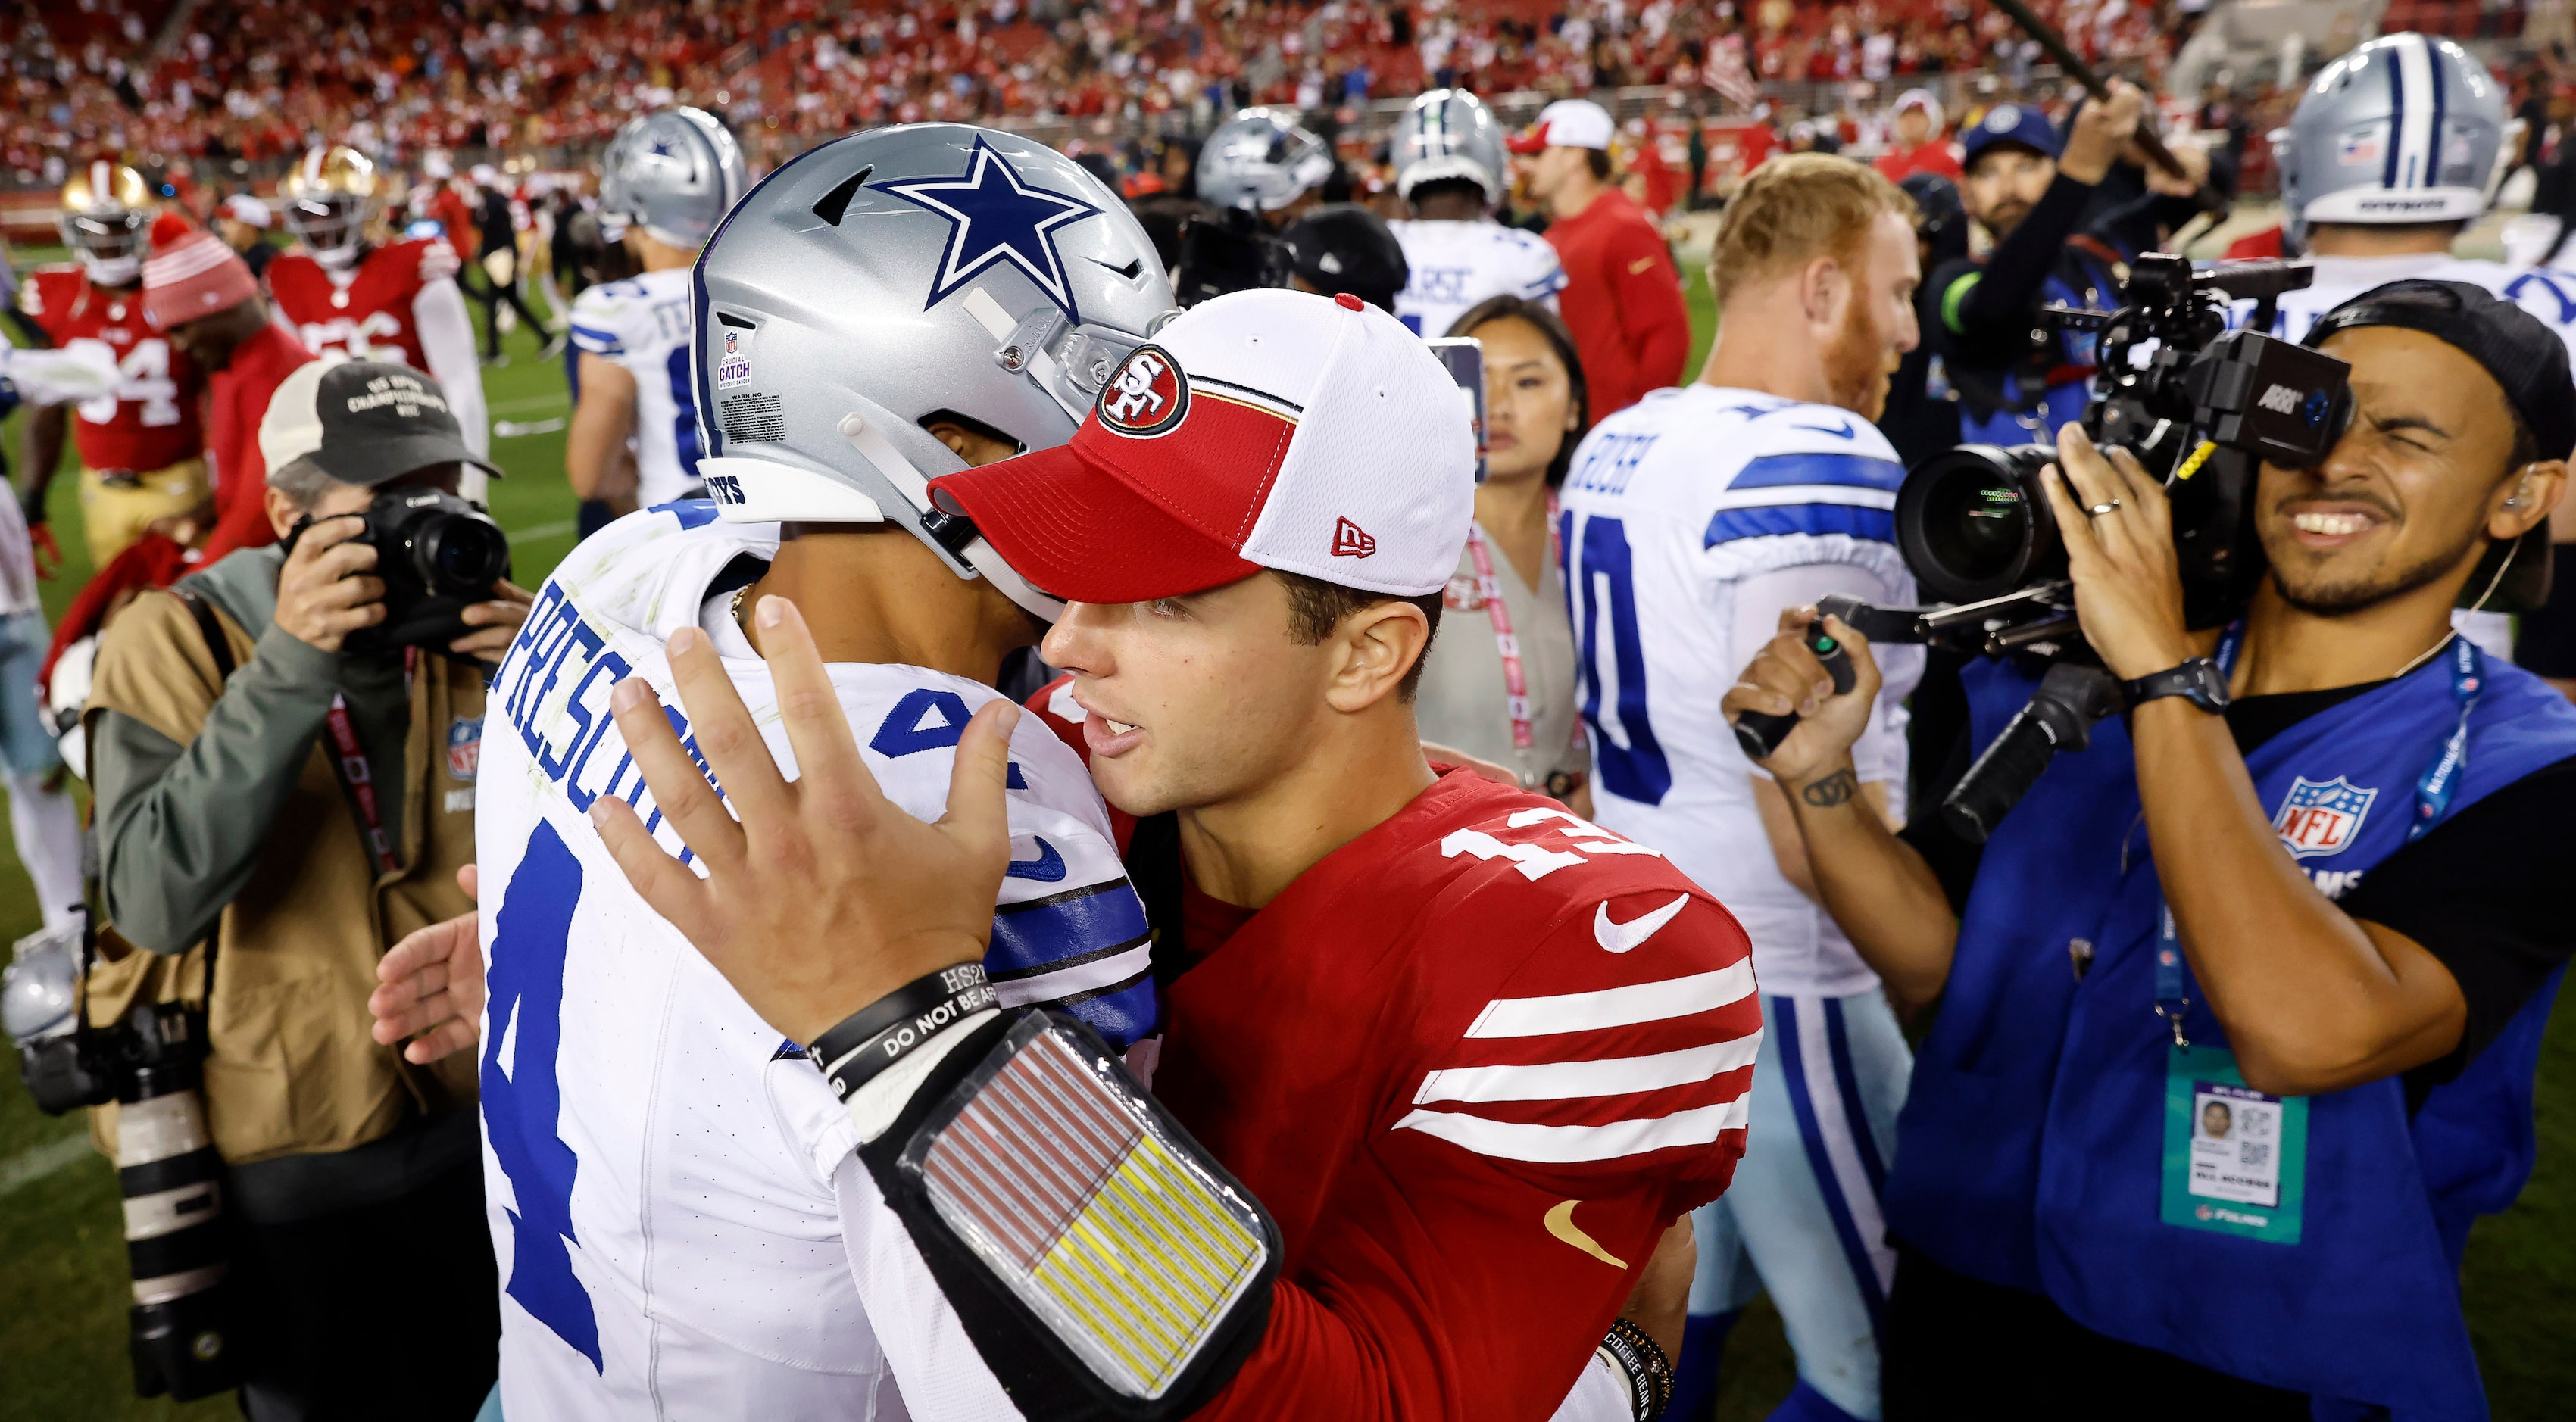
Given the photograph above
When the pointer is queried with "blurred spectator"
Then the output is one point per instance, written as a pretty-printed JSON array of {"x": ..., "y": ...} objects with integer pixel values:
[
  {"x": 1622, "y": 297},
  {"x": 1918, "y": 144},
  {"x": 243, "y": 222},
  {"x": 498, "y": 262}
]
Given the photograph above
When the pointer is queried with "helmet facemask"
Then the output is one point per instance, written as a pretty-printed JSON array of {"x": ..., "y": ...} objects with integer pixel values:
[
  {"x": 331, "y": 225},
  {"x": 110, "y": 245}
]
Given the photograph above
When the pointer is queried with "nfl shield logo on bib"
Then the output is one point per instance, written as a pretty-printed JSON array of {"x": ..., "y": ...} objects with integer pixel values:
[
  {"x": 2322, "y": 819},
  {"x": 464, "y": 747}
]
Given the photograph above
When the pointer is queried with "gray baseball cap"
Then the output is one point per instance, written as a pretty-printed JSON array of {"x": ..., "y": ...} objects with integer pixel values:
[{"x": 363, "y": 422}]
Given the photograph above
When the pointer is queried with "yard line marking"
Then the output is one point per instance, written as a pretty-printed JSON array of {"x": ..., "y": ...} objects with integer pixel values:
[
  {"x": 29, "y": 1166},
  {"x": 528, "y": 403},
  {"x": 539, "y": 533}
]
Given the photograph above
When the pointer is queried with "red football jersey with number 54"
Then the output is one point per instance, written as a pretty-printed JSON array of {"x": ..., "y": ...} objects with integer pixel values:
[{"x": 151, "y": 421}]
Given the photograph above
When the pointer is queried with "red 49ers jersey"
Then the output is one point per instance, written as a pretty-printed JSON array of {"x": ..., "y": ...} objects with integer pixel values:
[
  {"x": 151, "y": 420},
  {"x": 370, "y": 318}
]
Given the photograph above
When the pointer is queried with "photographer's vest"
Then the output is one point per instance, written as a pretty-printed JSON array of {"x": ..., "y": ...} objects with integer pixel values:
[
  {"x": 2048, "y": 1142},
  {"x": 293, "y": 1066}
]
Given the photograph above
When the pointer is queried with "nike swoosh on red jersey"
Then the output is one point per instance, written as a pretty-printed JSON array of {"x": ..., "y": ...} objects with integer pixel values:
[{"x": 1621, "y": 937}]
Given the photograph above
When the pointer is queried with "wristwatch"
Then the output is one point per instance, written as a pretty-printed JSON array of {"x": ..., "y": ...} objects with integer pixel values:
[{"x": 2198, "y": 681}]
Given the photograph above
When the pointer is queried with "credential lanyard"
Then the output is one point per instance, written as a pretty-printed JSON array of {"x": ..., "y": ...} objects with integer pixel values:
[
  {"x": 1516, "y": 701},
  {"x": 2433, "y": 791},
  {"x": 357, "y": 778}
]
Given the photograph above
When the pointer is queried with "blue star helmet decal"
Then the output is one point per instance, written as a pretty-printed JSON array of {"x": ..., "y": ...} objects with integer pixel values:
[{"x": 993, "y": 216}]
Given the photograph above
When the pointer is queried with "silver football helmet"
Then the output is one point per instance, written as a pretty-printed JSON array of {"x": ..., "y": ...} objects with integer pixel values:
[
  {"x": 2406, "y": 128},
  {"x": 675, "y": 172},
  {"x": 1449, "y": 133},
  {"x": 893, "y": 278},
  {"x": 1260, "y": 160}
]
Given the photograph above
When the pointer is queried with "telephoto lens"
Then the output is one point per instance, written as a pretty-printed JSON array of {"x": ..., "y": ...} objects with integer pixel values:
[
  {"x": 1974, "y": 523},
  {"x": 171, "y": 1177}
]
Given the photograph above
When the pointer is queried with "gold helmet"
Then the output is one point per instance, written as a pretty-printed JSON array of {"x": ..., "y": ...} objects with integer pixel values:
[
  {"x": 330, "y": 199},
  {"x": 106, "y": 219}
]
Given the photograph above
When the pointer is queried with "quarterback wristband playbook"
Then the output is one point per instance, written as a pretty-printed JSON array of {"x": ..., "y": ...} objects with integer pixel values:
[{"x": 1104, "y": 1264}]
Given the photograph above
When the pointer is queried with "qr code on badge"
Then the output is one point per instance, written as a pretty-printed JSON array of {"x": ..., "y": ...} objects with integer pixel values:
[{"x": 2253, "y": 1156}]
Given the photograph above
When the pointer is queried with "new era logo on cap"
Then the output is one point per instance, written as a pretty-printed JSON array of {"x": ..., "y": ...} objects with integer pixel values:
[{"x": 1264, "y": 429}]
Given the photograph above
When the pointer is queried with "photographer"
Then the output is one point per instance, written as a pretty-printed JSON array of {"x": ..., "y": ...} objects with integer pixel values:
[
  {"x": 2031, "y": 190},
  {"x": 296, "y": 816},
  {"x": 2319, "y": 848}
]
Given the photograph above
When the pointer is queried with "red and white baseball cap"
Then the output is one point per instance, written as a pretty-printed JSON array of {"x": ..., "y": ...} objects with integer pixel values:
[
  {"x": 1567, "y": 123},
  {"x": 1263, "y": 429}
]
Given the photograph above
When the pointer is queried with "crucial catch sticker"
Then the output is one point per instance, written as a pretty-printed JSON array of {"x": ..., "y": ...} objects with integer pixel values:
[{"x": 734, "y": 366}]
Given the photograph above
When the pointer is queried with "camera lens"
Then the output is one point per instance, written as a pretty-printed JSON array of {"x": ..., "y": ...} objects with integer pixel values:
[
  {"x": 462, "y": 554},
  {"x": 1973, "y": 523}
]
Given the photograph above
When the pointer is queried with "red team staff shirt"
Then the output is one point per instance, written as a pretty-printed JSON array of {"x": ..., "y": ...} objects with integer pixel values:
[
  {"x": 1473, "y": 1062},
  {"x": 1622, "y": 300},
  {"x": 151, "y": 421},
  {"x": 372, "y": 319}
]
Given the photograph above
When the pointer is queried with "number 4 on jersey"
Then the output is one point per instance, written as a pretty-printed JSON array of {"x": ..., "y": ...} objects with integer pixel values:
[{"x": 523, "y": 1103}]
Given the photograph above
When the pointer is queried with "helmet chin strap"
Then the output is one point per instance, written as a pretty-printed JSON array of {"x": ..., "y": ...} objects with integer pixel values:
[{"x": 978, "y": 554}]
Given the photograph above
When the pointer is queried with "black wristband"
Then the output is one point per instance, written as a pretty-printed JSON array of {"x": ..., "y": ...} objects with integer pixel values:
[
  {"x": 1650, "y": 1373},
  {"x": 896, "y": 1025}
]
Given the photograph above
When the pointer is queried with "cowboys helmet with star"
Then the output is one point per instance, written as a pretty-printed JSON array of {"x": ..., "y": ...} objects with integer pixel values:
[
  {"x": 673, "y": 172},
  {"x": 897, "y": 278}
]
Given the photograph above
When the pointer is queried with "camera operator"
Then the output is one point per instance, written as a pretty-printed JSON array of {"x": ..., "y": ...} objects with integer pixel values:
[
  {"x": 2030, "y": 190},
  {"x": 2321, "y": 849},
  {"x": 298, "y": 815}
]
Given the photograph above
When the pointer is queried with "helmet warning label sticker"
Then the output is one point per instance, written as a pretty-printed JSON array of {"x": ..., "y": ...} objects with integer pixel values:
[{"x": 733, "y": 365}]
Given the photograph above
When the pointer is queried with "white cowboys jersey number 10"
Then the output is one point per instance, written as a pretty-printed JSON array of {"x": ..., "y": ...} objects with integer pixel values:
[{"x": 1690, "y": 520}]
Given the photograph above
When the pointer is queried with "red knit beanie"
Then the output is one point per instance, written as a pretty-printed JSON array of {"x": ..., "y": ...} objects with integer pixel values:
[{"x": 191, "y": 273}]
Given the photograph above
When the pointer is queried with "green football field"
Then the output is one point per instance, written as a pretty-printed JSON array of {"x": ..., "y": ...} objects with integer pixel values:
[{"x": 62, "y": 1268}]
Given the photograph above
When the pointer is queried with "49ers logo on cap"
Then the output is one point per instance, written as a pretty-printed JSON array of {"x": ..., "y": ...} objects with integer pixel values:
[{"x": 1146, "y": 396}]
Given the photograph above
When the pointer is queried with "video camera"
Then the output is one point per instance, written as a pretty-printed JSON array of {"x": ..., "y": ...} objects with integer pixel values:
[{"x": 2205, "y": 406}]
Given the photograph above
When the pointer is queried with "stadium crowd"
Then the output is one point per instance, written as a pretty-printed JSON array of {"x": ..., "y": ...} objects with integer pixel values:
[{"x": 262, "y": 81}]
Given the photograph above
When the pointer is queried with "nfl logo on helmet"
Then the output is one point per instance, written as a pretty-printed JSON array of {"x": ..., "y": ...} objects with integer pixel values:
[{"x": 2318, "y": 819}]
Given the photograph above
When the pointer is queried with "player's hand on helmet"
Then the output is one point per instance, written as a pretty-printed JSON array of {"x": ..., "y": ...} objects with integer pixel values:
[
  {"x": 1785, "y": 677},
  {"x": 494, "y": 623},
  {"x": 826, "y": 895},
  {"x": 2118, "y": 529},
  {"x": 429, "y": 988},
  {"x": 328, "y": 588},
  {"x": 2102, "y": 129}
]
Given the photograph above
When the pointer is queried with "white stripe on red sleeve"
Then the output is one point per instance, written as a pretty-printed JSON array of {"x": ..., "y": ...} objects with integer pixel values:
[
  {"x": 1566, "y": 1145},
  {"x": 1571, "y": 1081},
  {"x": 1615, "y": 1007}
]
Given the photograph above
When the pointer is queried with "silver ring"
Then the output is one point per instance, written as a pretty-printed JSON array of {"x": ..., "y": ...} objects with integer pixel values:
[{"x": 2100, "y": 509}]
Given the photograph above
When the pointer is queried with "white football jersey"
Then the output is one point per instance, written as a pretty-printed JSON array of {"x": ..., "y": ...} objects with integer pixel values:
[
  {"x": 2549, "y": 295},
  {"x": 1690, "y": 520},
  {"x": 643, "y": 324},
  {"x": 1454, "y": 265},
  {"x": 682, "y": 1226}
]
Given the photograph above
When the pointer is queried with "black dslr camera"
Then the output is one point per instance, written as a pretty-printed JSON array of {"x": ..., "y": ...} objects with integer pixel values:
[
  {"x": 2201, "y": 406},
  {"x": 152, "y": 1065},
  {"x": 437, "y": 554}
]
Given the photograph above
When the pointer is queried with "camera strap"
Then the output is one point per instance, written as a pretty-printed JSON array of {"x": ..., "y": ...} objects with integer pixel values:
[{"x": 349, "y": 759}]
